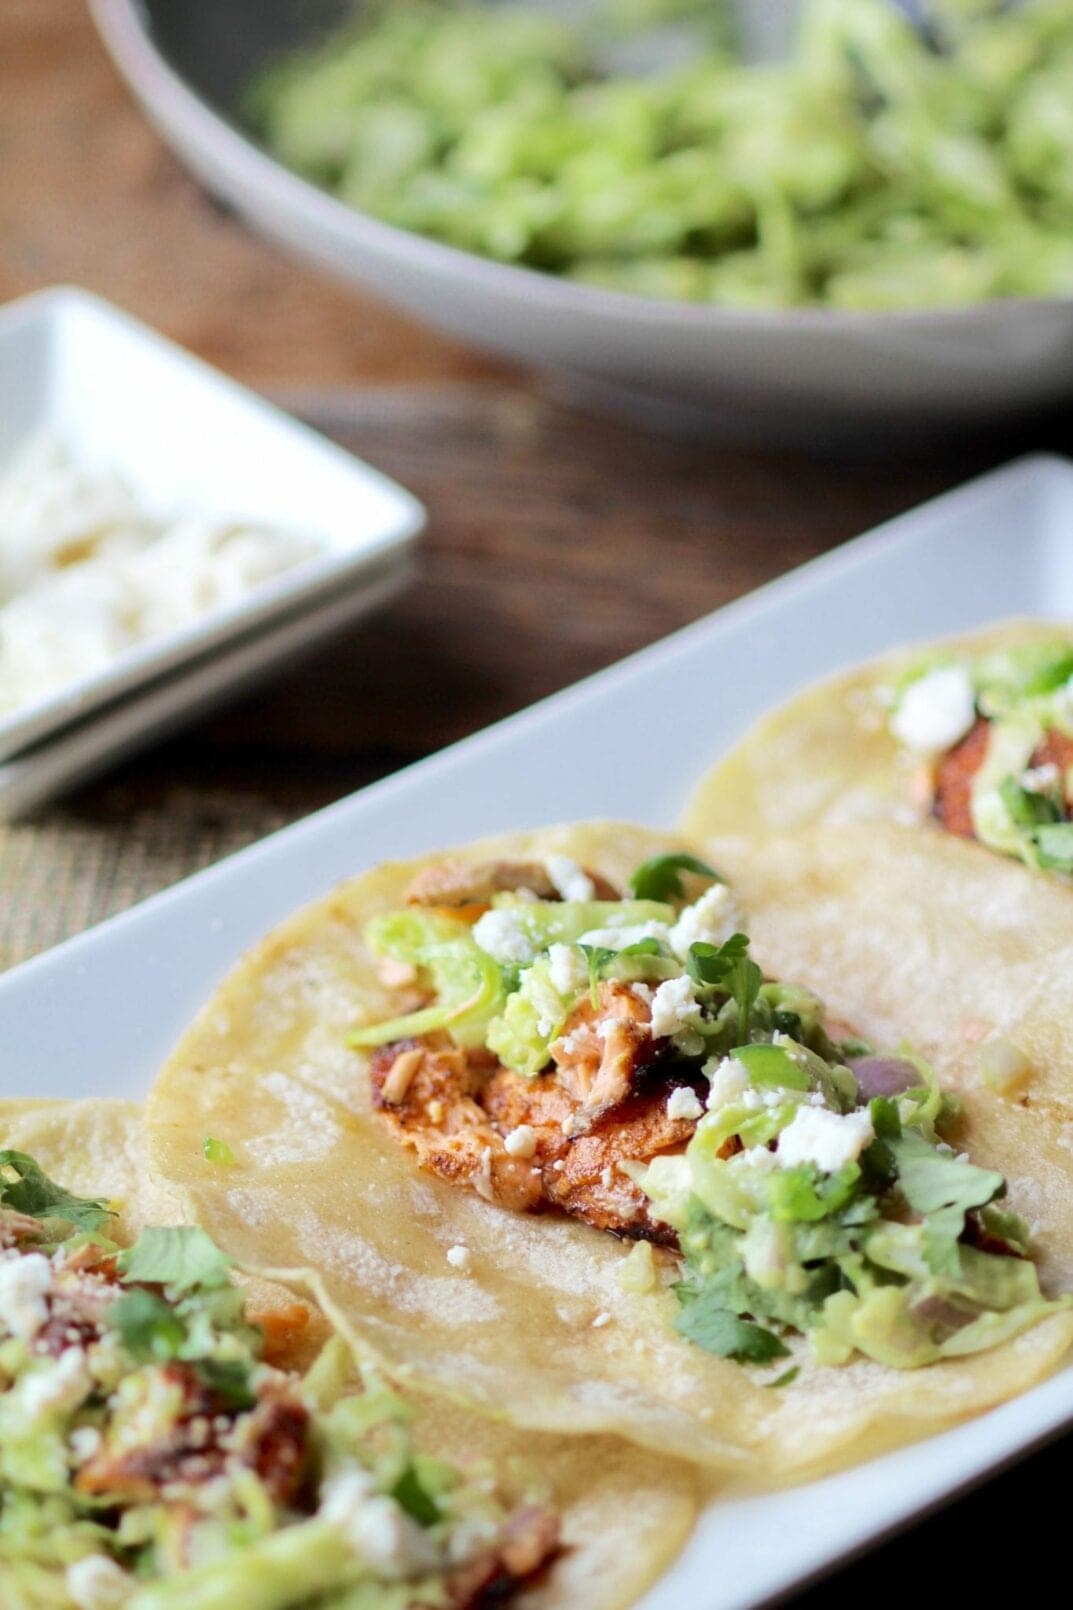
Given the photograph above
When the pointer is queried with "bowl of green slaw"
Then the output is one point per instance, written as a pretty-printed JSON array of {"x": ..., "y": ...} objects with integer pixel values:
[{"x": 825, "y": 218}]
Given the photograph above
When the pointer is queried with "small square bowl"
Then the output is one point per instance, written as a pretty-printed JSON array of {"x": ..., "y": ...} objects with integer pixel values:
[{"x": 187, "y": 440}]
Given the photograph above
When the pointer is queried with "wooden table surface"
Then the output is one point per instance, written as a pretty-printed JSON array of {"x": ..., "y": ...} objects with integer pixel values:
[{"x": 557, "y": 541}]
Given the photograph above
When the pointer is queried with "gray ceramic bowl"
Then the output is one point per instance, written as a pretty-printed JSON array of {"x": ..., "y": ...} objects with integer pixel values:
[{"x": 808, "y": 374}]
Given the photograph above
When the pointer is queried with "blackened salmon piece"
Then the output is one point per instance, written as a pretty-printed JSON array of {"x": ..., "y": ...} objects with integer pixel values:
[
  {"x": 954, "y": 776},
  {"x": 1056, "y": 750},
  {"x": 529, "y": 1143},
  {"x": 956, "y": 772},
  {"x": 437, "y": 1113}
]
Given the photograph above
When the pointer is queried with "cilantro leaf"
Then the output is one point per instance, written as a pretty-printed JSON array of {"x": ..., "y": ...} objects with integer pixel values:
[
  {"x": 706, "y": 1321},
  {"x": 931, "y": 1179},
  {"x": 229, "y": 1379},
  {"x": 181, "y": 1257},
  {"x": 660, "y": 877},
  {"x": 712, "y": 964},
  {"x": 886, "y": 1119},
  {"x": 217, "y": 1151},
  {"x": 597, "y": 957},
  {"x": 729, "y": 967},
  {"x": 942, "y": 1191},
  {"x": 26, "y": 1188},
  {"x": 150, "y": 1329},
  {"x": 415, "y": 1499}
]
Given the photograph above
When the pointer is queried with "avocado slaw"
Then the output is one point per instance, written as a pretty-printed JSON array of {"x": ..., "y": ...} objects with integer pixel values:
[{"x": 880, "y": 167}]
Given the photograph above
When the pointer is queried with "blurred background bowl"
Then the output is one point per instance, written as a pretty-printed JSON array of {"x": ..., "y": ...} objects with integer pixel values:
[{"x": 810, "y": 375}]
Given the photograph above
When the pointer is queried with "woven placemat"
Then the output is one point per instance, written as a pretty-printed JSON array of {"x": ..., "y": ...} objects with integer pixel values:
[{"x": 70, "y": 868}]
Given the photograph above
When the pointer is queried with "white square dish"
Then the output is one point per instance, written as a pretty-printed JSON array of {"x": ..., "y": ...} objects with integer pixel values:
[
  {"x": 80, "y": 751},
  {"x": 185, "y": 439},
  {"x": 97, "y": 1015}
]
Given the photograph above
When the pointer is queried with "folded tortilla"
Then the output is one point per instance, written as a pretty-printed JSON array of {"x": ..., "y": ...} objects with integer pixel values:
[
  {"x": 625, "y": 1514},
  {"x": 537, "y": 1330},
  {"x": 828, "y": 754}
]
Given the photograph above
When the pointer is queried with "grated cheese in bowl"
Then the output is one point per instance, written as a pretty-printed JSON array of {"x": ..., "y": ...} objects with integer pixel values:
[{"x": 88, "y": 572}]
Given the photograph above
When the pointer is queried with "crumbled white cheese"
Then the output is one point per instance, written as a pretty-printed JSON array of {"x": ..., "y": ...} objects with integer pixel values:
[
  {"x": 936, "y": 710},
  {"x": 674, "y": 1008},
  {"x": 571, "y": 881},
  {"x": 1041, "y": 779},
  {"x": 459, "y": 1257},
  {"x": 379, "y": 1531},
  {"x": 57, "y": 1388},
  {"x": 391, "y": 1542},
  {"x": 828, "y": 1139},
  {"x": 709, "y": 921},
  {"x": 618, "y": 936},
  {"x": 755, "y": 1157},
  {"x": 87, "y": 572},
  {"x": 643, "y": 992},
  {"x": 25, "y": 1281},
  {"x": 470, "y": 1536},
  {"x": 502, "y": 934},
  {"x": 97, "y": 1583},
  {"x": 567, "y": 969},
  {"x": 521, "y": 1142},
  {"x": 683, "y": 1103},
  {"x": 728, "y": 1082},
  {"x": 84, "y": 1442}
]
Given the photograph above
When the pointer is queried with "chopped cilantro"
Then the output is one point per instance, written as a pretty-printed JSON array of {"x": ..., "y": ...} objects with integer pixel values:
[
  {"x": 217, "y": 1151},
  {"x": 704, "y": 1319},
  {"x": 885, "y": 1117},
  {"x": 26, "y": 1188},
  {"x": 660, "y": 877},
  {"x": 229, "y": 1379},
  {"x": 150, "y": 1329},
  {"x": 416, "y": 1500},
  {"x": 597, "y": 957},
  {"x": 942, "y": 1191},
  {"x": 728, "y": 967},
  {"x": 932, "y": 1180},
  {"x": 181, "y": 1257}
]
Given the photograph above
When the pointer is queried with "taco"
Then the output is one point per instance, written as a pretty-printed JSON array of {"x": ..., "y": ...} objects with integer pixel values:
[
  {"x": 971, "y": 737},
  {"x": 559, "y": 1148},
  {"x": 169, "y": 1438}
]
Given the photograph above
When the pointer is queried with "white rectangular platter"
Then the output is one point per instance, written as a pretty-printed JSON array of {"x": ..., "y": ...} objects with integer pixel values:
[{"x": 97, "y": 1015}]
